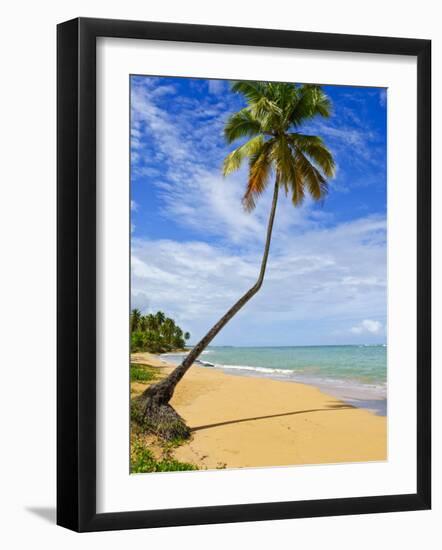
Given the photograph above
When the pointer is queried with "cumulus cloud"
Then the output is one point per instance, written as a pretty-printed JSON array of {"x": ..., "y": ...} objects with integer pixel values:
[
  {"x": 217, "y": 86},
  {"x": 367, "y": 326},
  {"x": 329, "y": 274}
]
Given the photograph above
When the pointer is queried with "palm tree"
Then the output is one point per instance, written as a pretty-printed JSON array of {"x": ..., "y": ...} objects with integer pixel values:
[
  {"x": 160, "y": 318},
  {"x": 135, "y": 319},
  {"x": 300, "y": 163},
  {"x": 168, "y": 328},
  {"x": 151, "y": 322},
  {"x": 178, "y": 341}
]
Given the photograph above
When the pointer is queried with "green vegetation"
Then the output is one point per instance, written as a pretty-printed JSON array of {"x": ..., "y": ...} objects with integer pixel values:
[
  {"x": 152, "y": 454},
  {"x": 142, "y": 373},
  {"x": 143, "y": 460},
  {"x": 155, "y": 333}
]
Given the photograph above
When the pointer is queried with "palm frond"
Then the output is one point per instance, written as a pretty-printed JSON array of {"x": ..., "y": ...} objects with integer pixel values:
[
  {"x": 234, "y": 160},
  {"x": 253, "y": 91},
  {"x": 321, "y": 103},
  {"x": 241, "y": 124},
  {"x": 288, "y": 173},
  {"x": 315, "y": 148},
  {"x": 312, "y": 102},
  {"x": 286, "y": 97},
  {"x": 312, "y": 178},
  {"x": 298, "y": 188},
  {"x": 259, "y": 170},
  {"x": 262, "y": 99},
  {"x": 266, "y": 111}
]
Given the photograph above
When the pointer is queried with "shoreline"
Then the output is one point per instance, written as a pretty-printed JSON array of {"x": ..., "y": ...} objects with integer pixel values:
[
  {"x": 371, "y": 397},
  {"x": 251, "y": 421}
]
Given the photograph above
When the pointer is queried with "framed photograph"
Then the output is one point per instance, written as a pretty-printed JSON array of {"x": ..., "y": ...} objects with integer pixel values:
[{"x": 243, "y": 274}]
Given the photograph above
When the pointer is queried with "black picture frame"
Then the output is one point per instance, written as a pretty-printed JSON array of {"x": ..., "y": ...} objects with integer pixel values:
[{"x": 76, "y": 274}]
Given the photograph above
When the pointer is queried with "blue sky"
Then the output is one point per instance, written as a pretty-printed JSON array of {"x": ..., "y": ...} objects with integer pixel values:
[{"x": 195, "y": 251}]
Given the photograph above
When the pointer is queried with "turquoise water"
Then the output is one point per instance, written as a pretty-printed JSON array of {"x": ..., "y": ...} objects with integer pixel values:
[{"x": 356, "y": 374}]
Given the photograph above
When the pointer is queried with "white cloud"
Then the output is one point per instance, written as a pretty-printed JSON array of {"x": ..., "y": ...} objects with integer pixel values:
[
  {"x": 382, "y": 97},
  {"x": 367, "y": 326},
  {"x": 146, "y": 115},
  {"x": 358, "y": 140},
  {"x": 216, "y": 86},
  {"x": 320, "y": 274}
]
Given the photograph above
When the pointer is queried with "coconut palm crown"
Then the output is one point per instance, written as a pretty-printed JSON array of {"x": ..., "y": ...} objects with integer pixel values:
[{"x": 270, "y": 122}]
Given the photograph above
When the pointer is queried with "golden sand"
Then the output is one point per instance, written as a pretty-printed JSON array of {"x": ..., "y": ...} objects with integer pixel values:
[{"x": 239, "y": 421}]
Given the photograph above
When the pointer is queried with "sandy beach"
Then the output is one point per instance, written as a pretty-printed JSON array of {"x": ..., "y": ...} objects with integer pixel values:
[{"x": 240, "y": 421}]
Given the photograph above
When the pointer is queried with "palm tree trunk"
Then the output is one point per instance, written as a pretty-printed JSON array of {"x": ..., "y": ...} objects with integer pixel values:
[{"x": 160, "y": 394}]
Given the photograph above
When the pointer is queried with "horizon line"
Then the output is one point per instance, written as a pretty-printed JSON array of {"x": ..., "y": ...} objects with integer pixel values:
[{"x": 292, "y": 345}]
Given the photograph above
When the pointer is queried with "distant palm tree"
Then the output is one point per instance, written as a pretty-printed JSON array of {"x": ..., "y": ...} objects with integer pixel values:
[
  {"x": 160, "y": 318},
  {"x": 151, "y": 322},
  {"x": 300, "y": 164},
  {"x": 178, "y": 340},
  {"x": 168, "y": 329},
  {"x": 135, "y": 319}
]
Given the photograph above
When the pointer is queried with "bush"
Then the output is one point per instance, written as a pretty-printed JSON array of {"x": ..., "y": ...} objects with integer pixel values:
[
  {"x": 138, "y": 341},
  {"x": 143, "y": 461},
  {"x": 142, "y": 373}
]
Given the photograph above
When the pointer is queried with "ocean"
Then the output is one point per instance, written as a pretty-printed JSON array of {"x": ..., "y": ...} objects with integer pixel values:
[{"x": 355, "y": 374}]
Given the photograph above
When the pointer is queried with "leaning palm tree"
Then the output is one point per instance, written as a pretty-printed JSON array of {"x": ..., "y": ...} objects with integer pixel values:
[{"x": 274, "y": 145}]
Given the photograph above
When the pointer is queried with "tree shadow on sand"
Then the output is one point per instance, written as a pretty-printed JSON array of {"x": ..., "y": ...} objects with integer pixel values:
[{"x": 330, "y": 407}]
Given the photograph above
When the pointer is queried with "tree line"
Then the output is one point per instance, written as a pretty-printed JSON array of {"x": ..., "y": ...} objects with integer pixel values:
[{"x": 155, "y": 333}]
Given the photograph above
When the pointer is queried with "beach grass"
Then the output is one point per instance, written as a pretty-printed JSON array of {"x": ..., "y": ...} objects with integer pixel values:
[
  {"x": 151, "y": 454},
  {"x": 143, "y": 460},
  {"x": 142, "y": 373}
]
